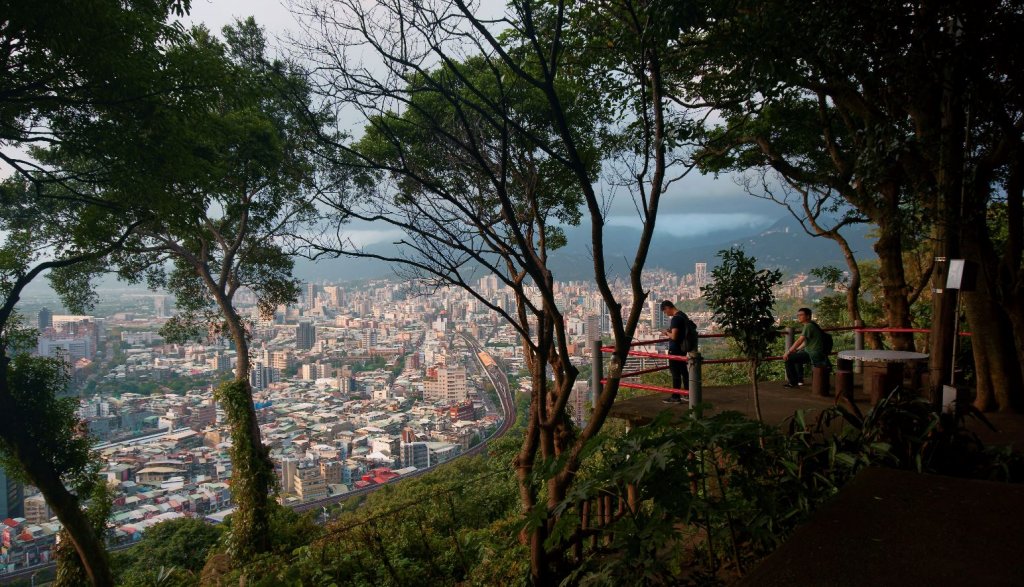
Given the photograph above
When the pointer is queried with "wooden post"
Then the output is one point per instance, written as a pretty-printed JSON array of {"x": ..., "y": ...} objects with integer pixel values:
[
  {"x": 820, "y": 381},
  {"x": 591, "y": 520},
  {"x": 608, "y": 518},
  {"x": 577, "y": 546},
  {"x": 844, "y": 379}
]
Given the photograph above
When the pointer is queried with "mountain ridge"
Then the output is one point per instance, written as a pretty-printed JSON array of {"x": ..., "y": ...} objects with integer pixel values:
[{"x": 782, "y": 244}]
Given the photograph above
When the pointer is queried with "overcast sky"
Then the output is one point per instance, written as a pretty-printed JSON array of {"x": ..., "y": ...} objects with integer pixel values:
[{"x": 695, "y": 205}]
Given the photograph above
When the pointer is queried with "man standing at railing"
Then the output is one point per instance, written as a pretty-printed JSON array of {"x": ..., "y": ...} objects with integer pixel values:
[
  {"x": 808, "y": 348},
  {"x": 678, "y": 323}
]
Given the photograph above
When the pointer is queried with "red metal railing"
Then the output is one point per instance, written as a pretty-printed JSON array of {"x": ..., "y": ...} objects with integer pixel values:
[{"x": 608, "y": 349}]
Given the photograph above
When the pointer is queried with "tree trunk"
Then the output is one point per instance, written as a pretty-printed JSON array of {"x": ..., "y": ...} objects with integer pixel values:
[
  {"x": 252, "y": 477},
  {"x": 995, "y": 359},
  {"x": 853, "y": 287},
  {"x": 1011, "y": 268},
  {"x": 889, "y": 248},
  {"x": 752, "y": 370},
  {"x": 65, "y": 505}
]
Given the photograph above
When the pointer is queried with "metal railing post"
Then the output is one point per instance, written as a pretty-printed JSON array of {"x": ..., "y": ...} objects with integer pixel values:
[
  {"x": 696, "y": 391},
  {"x": 596, "y": 368},
  {"x": 858, "y": 345}
]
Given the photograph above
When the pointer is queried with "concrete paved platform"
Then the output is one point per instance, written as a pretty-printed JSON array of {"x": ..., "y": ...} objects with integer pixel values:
[{"x": 778, "y": 404}]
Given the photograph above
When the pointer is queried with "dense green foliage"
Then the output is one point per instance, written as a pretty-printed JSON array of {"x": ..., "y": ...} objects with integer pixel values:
[
  {"x": 170, "y": 553},
  {"x": 38, "y": 385},
  {"x": 713, "y": 495},
  {"x": 742, "y": 298},
  {"x": 451, "y": 525},
  {"x": 252, "y": 474},
  {"x": 76, "y": 68}
]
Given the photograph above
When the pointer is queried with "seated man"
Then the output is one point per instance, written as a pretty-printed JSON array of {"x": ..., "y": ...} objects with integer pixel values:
[{"x": 808, "y": 348}]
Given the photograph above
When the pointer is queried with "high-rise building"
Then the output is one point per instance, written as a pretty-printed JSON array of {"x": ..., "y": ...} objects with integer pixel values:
[
  {"x": 309, "y": 371},
  {"x": 310, "y": 294},
  {"x": 305, "y": 335},
  {"x": 415, "y": 454},
  {"x": 260, "y": 375},
  {"x": 700, "y": 274},
  {"x": 335, "y": 295},
  {"x": 222, "y": 362},
  {"x": 288, "y": 468},
  {"x": 309, "y": 484},
  {"x": 36, "y": 510},
  {"x": 449, "y": 387},
  {"x": 595, "y": 327},
  {"x": 280, "y": 360},
  {"x": 659, "y": 321},
  {"x": 580, "y": 401},
  {"x": 347, "y": 385},
  {"x": 45, "y": 319},
  {"x": 160, "y": 306},
  {"x": 369, "y": 338},
  {"x": 12, "y": 497},
  {"x": 331, "y": 472},
  {"x": 408, "y": 435}
]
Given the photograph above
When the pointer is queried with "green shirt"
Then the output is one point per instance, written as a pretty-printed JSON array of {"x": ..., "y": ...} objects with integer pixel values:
[{"x": 813, "y": 336}]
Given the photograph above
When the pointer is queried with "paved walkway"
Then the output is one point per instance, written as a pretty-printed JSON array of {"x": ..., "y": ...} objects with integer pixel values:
[{"x": 889, "y": 527}]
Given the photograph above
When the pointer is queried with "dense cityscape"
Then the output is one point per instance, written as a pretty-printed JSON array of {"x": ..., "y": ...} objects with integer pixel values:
[
  {"x": 471, "y": 293},
  {"x": 355, "y": 386}
]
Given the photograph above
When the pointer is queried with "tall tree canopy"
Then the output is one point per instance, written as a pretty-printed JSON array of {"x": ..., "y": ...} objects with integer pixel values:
[
  {"x": 911, "y": 113},
  {"x": 233, "y": 165},
  {"x": 482, "y": 136},
  {"x": 73, "y": 72}
]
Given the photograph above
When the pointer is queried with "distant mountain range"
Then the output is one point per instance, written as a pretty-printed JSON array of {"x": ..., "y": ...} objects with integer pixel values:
[{"x": 783, "y": 245}]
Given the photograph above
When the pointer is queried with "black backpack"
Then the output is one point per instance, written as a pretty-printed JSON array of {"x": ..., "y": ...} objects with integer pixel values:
[
  {"x": 826, "y": 342},
  {"x": 690, "y": 337}
]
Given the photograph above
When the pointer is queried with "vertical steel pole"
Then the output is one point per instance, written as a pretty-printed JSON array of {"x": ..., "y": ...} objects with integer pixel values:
[
  {"x": 858, "y": 345},
  {"x": 696, "y": 389}
]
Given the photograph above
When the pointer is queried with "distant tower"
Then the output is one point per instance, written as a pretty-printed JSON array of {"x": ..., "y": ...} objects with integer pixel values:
[
  {"x": 310, "y": 294},
  {"x": 45, "y": 319},
  {"x": 160, "y": 306},
  {"x": 597, "y": 325},
  {"x": 408, "y": 435},
  {"x": 593, "y": 327},
  {"x": 305, "y": 335},
  {"x": 369, "y": 338},
  {"x": 12, "y": 497},
  {"x": 659, "y": 321},
  {"x": 701, "y": 274}
]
